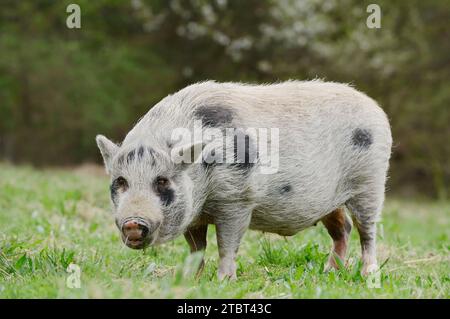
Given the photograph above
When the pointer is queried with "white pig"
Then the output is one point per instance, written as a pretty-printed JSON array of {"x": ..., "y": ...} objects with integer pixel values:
[{"x": 334, "y": 146}]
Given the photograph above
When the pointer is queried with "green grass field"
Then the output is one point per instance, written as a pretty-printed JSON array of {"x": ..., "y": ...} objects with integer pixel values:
[{"x": 52, "y": 218}]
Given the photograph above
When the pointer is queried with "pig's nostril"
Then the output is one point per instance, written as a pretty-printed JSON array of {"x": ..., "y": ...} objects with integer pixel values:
[
  {"x": 144, "y": 230},
  {"x": 134, "y": 229},
  {"x": 130, "y": 225}
]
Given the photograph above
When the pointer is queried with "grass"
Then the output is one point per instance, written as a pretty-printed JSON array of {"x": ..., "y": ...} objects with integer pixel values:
[{"x": 50, "y": 219}]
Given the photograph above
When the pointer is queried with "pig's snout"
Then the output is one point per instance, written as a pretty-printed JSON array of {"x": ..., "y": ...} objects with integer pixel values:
[{"x": 136, "y": 232}]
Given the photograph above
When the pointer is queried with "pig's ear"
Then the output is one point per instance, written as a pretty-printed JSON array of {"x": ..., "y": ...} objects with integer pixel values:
[
  {"x": 187, "y": 154},
  {"x": 108, "y": 150}
]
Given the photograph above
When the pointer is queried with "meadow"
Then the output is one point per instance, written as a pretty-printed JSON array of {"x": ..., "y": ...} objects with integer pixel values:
[{"x": 52, "y": 218}]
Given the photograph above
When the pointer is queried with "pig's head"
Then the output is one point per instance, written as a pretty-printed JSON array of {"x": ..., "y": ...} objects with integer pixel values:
[{"x": 151, "y": 196}]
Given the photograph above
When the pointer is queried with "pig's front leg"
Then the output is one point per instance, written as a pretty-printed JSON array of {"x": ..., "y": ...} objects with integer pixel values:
[
  {"x": 229, "y": 234},
  {"x": 196, "y": 238}
]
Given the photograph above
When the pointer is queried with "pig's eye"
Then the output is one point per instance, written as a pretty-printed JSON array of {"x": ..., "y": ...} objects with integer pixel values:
[
  {"x": 120, "y": 182},
  {"x": 119, "y": 185},
  {"x": 162, "y": 182},
  {"x": 164, "y": 191}
]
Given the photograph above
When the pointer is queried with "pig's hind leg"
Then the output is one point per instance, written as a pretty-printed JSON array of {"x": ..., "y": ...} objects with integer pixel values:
[
  {"x": 366, "y": 209},
  {"x": 339, "y": 226}
]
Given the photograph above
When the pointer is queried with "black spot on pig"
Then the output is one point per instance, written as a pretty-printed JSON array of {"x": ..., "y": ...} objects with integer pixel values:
[
  {"x": 362, "y": 138},
  {"x": 121, "y": 159},
  {"x": 141, "y": 152},
  {"x": 214, "y": 116},
  {"x": 119, "y": 183},
  {"x": 130, "y": 156},
  {"x": 151, "y": 153},
  {"x": 164, "y": 191},
  {"x": 245, "y": 153},
  {"x": 113, "y": 191},
  {"x": 167, "y": 196},
  {"x": 285, "y": 189}
]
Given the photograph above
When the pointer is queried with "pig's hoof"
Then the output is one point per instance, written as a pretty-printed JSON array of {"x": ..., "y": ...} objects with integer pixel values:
[
  {"x": 329, "y": 267},
  {"x": 369, "y": 269},
  {"x": 227, "y": 270},
  {"x": 223, "y": 275},
  {"x": 200, "y": 269}
]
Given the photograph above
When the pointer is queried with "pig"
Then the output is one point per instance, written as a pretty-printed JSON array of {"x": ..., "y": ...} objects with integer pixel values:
[{"x": 334, "y": 145}]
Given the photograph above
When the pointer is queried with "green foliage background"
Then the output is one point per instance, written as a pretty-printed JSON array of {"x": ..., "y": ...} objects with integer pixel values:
[{"x": 59, "y": 87}]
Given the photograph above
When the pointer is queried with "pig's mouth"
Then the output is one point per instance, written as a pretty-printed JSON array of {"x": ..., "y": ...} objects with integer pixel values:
[{"x": 136, "y": 243}]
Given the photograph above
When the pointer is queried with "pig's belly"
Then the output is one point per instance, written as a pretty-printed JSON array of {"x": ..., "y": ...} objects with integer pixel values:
[{"x": 280, "y": 222}]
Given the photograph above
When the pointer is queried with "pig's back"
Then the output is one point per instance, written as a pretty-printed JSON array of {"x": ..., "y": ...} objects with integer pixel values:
[{"x": 329, "y": 135}]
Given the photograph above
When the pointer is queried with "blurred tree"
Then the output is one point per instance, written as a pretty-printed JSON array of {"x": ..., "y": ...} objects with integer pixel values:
[{"x": 60, "y": 86}]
